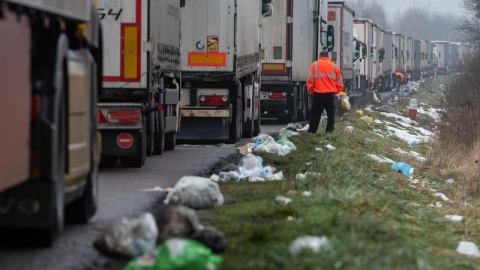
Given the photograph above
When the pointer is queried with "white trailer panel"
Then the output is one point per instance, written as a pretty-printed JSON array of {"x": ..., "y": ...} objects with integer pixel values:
[
  {"x": 303, "y": 52},
  {"x": 72, "y": 9}
]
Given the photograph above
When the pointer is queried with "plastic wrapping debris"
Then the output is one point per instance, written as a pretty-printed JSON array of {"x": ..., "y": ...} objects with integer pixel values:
[
  {"x": 349, "y": 129},
  {"x": 288, "y": 143},
  {"x": 311, "y": 243},
  {"x": 129, "y": 238},
  {"x": 368, "y": 140},
  {"x": 345, "y": 103},
  {"x": 450, "y": 181},
  {"x": 282, "y": 200},
  {"x": 367, "y": 119},
  {"x": 318, "y": 149},
  {"x": 176, "y": 253},
  {"x": 250, "y": 161},
  {"x": 287, "y": 133},
  {"x": 380, "y": 159},
  {"x": 442, "y": 196},
  {"x": 303, "y": 176},
  {"x": 304, "y": 129},
  {"x": 468, "y": 248},
  {"x": 274, "y": 148},
  {"x": 195, "y": 192},
  {"x": 263, "y": 138},
  {"x": 403, "y": 168},
  {"x": 330, "y": 147},
  {"x": 307, "y": 193},
  {"x": 455, "y": 218}
]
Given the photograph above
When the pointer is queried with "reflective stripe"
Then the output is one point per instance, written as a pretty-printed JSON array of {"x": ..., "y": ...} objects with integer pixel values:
[
  {"x": 339, "y": 81},
  {"x": 311, "y": 80},
  {"x": 333, "y": 70},
  {"x": 316, "y": 68},
  {"x": 325, "y": 75}
]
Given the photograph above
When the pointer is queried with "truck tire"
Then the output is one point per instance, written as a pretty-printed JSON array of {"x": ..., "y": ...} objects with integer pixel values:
[
  {"x": 170, "y": 140},
  {"x": 302, "y": 113},
  {"x": 159, "y": 143},
  {"x": 83, "y": 208},
  {"x": 59, "y": 143}
]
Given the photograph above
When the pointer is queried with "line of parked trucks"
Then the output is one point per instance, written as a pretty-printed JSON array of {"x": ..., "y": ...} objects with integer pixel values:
[{"x": 120, "y": 80}]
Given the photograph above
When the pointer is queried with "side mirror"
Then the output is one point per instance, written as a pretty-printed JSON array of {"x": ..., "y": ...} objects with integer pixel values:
[
  {"x": 381, "y": 55},
  {"x": 267, "y": 10},
  {"x": 356, "y": 52},
  {"x": 330, "y": 38}
]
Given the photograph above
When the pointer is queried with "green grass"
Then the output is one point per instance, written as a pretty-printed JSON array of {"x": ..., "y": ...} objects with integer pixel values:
[{"x": 370, "y": 214}]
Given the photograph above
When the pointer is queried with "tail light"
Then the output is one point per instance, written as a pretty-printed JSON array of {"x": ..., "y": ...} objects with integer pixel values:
[
  {"x": 277, "y": 95},
  {"x": 116, "y": 116},
  {"x": 35, "y": 157},
  {"x": 213, "y": 100}
]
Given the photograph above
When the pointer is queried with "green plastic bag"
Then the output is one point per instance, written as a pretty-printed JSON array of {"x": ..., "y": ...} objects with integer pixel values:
[
  {"x": 287, "y": 133},
  {"x": 288, "y": 143},
  {"x": 177, "y": 253}
]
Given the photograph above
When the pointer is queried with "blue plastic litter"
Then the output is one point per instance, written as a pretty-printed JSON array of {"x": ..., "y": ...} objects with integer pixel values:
[{"x": 403, "y": 168}]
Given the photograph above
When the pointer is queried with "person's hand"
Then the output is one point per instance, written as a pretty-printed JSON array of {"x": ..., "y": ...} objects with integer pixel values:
[{"x": 338, "y": 96}]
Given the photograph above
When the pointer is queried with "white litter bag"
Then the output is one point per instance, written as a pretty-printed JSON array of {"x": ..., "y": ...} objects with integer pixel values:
[{"x": 195, "y": 192}]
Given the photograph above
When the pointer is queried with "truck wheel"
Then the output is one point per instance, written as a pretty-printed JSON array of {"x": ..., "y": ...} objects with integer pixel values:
[
  {"x": 57, "y": 196},
  {"x": 170, "y": 140},
  {"x": 256, "y": 127},
  {"x": 302, "y": 113},
  {"x": 159, "y": 143},
  {"x": 248, "y": 128}
]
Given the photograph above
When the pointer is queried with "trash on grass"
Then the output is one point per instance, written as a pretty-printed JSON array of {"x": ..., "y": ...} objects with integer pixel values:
[
  {"x": 282, "y": 200},
  {"x": 349, "y": 129},
  {"x": 307, "y": 193},
  {"x": 176, "y": 253},
  {"x": 442, "y": 196},
  {"x": 312, "y": 243},
  {"x": 468, "y": 248},
  {"x": 367, "y": 119},
  {"x": 303, "y": 176},
  {"x": 380, "y": 159},
  {"x": 450, "y": 181},
  {"x": 455, "y": 218},
  {"x": 330, "y": 147},
  {"x": 403, "y": 168},
  {"x": 195, "y": 192},
  {"x": 250, "y": 161},
  {"x": 129, "y": 238}
]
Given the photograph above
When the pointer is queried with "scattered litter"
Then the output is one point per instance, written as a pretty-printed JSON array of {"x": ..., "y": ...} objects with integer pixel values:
[
  {"x": 287, "y": 133},
  {"x": 304, "y": 129},
  {"x": 442, "y": 196},
  {"x": 292, "y": 192},
  {"x": 176, "y": 253},
  {"x": 307, "y": 193},
  {"x": 318, "y": 149},
  {"x": 349, "y": 129},
  {"x": 156, "y": 189},
  {"x": 380, "y": 159},
  {"x": 403, "y": 168},
  {"x": 413, "y": 144},
  {"x": 311, "y": 243},
  {"x": 415, "y": 181},
  {"x": 308, "y": 163},
  {"x": 455, "y": 218},
  {"x": 330, "y": 147},
  {"x": 450, "y": 181},
  {"x": 195, "y": 192},
  {"x": 303, "y": 176},
  {"x": 359, "y": 112},
  {"x": 282, "y": 200},
  {"x": 412, "y": 186},
  {"x": 290, "y": 218},
  {"x": 129, "y": 238},
  {"x": 367, "y": 119},
  {"x": 250, "y": 161},
  {"x": 468, "y": 248},
  {"x": 368, "y": 140}
]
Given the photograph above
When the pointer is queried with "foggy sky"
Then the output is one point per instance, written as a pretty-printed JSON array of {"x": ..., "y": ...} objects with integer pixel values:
[{"x": 440, "y": 6}]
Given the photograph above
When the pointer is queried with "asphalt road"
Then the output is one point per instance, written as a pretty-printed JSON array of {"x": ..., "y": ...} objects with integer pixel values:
[{"x": 119, "y": 196}]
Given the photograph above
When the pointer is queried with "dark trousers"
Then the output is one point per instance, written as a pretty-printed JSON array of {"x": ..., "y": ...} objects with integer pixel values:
[{"x": 324, "y": 101}]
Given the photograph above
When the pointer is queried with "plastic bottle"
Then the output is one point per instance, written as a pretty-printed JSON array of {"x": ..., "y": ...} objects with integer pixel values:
[{"x": 283, "y": 200}]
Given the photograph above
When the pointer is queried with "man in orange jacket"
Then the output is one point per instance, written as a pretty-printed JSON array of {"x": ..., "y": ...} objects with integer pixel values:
[
  {"x": 324, "y": 82},
  {"x": 399, "y": 77}
]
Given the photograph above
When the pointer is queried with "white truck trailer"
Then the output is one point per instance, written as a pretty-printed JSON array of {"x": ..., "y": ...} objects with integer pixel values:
[
  {"x": 220, "y": 69},
  {"x": 409, "y": 56},
  {"x": 340, "y": 16},
  {"x": 388, "y": 62},
  {"x": 291, "y": 39},
  {"x": 443, "y": 51},
  {"x": 139, "y": 113},
  {"x": 51, "y": 70},
  {"x": 365, "y": 64}
]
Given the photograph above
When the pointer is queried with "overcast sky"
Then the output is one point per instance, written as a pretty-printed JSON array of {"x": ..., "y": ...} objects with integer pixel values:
[{"x": 440, "y": 6}]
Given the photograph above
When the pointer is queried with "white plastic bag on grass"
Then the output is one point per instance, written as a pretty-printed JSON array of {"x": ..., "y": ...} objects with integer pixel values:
[{"x": 195, "y": 192}]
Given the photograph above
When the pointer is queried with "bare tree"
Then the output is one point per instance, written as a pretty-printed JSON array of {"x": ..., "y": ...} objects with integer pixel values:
[
  {"x": 470, "y": 23},
  {"x": 369, "y": 9}
]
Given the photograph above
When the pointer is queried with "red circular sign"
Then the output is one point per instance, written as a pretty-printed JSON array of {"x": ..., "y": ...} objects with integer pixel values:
[{"x": 124, "y": 140}]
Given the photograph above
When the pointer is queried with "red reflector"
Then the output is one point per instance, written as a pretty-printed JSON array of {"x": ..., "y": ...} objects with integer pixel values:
[
  {"x": 213, "y": 100},
  {"x": 101, "y": 119},
  {"x": 159, "y": 107},
  {"x": 35, "y": 113},
  {"x": 124, "y": 116},
  {"x": 277, "y": 95}
]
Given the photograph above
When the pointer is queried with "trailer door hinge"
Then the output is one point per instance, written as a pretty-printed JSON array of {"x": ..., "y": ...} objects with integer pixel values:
[
  {"x": 147, "y": 46},
  {"x": 288, "y": 63},
  {"x": 289, "y": 19}
]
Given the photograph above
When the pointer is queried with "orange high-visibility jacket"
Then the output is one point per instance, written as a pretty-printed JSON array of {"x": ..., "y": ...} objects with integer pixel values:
[
  {"x": 399, "y": 74},
  {"x": 324, "y": 77}
]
